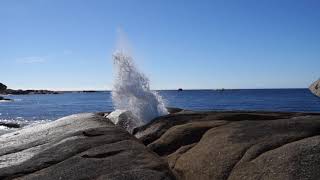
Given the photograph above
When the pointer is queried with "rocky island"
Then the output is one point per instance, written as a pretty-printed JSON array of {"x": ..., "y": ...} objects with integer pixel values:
[
  {"x": 4, "y": 99},
  {"x": 181, "y": 145},
  {"x": 4, "y": 90}
]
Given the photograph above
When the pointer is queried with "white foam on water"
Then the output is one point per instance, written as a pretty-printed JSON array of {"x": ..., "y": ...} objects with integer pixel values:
[
  {"x": 5, "y": 124},
  {"x": 4, "y": 101},
  {"x": 131, "y": 91}
]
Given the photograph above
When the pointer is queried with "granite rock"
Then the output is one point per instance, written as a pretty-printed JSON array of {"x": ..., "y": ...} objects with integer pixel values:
[
  {"x": 83, "y": 146},
  {"x": 315, "y": 88},
  {"x": 237, "y": 145}
]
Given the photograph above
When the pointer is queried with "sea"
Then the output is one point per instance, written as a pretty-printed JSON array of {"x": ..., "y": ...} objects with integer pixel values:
[{"x": 32, "y": 109}]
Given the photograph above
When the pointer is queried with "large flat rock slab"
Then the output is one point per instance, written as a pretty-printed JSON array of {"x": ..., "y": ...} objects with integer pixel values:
[
  {"x": 83, "y": 146},
  {"x": 237, "y": 145},
  {"x": 315, "y": 88}
]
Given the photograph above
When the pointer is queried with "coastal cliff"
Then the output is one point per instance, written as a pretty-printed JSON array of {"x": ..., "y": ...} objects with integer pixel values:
[{"x": 181, "y": 145}]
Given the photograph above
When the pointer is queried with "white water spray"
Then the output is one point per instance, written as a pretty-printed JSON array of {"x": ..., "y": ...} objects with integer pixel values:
[{"x": 131, "y": 92}]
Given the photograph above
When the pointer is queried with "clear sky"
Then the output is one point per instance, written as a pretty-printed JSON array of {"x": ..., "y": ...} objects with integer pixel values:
[{"x": 67, "y": 44}]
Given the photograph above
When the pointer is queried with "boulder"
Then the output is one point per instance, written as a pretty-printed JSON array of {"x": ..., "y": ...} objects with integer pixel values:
[
  {"x": 173, "y": 110},
  {"x": 124, "y": 119},
  {"x": 128, "y": 121},
  {"x": 315, "y": 88},
  {"x": 83, "y": 146},
  {"x": 237, "y": 145}
]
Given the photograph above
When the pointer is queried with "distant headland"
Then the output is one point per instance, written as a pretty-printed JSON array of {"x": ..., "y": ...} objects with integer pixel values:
[{"x": 5, "y": 91}]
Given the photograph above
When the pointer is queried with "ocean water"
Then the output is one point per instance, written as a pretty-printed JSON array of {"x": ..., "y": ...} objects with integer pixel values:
[{"x": 28, "y": 109}]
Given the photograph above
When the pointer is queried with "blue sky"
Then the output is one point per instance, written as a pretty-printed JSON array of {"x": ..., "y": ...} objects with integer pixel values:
[{"x": 67, "y": 44}]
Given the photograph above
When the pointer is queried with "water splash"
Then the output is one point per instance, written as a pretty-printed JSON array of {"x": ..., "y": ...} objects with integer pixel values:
[{"x": 131, "y": 92}]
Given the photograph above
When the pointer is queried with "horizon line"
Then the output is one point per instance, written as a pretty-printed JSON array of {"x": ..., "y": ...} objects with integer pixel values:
[{"x": 169, "y": 89}]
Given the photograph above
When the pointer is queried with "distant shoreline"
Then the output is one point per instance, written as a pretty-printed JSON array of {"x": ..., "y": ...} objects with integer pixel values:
[{"x": 32, "y": 91}]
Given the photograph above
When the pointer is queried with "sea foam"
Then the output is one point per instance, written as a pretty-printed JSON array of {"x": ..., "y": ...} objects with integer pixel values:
[{"x": 131, "y": 92}]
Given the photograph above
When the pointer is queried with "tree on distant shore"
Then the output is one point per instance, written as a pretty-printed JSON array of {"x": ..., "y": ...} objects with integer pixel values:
[{"x": 2, "y": 87}]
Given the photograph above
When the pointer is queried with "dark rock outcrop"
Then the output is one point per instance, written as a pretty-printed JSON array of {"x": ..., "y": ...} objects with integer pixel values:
[
  {"x": 10, "y": 125},
  {"x": 24, "y": 92},
  {"x": 237, "y": 145},
  {"x": 2, "y": 88},
  {"x": 173, "y": 110},
  {"x": 5, "y": 99},
  {"x": 84, "y": 146},
  {"x": 315, "y": 88}
]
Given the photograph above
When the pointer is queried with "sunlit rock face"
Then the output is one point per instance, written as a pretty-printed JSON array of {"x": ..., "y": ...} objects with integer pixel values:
[
  {"x": 236, "y": 145},
  {"x": 81, "y": 146}
]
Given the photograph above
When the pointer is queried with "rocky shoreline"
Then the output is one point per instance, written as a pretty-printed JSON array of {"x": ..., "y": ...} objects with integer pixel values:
[
  {"x": 181, "y": 145},
  {"x": 24, "y": 92},
  {"x": 4, "y": 90}
]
